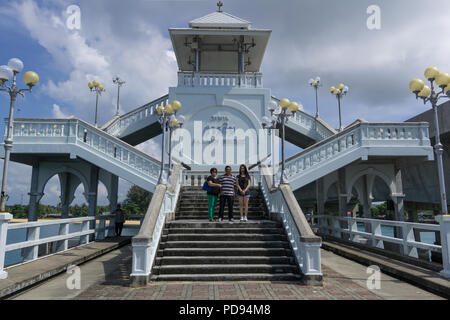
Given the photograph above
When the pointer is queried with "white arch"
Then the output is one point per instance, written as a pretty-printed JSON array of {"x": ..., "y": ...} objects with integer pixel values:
[{"x": 371, "y": 171}]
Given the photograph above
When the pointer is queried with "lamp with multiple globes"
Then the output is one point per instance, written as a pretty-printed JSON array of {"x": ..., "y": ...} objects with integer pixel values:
[
  {"x": 96, "y": 87},
  {"x": 168, "y": 121},
  {"x": 432, "y": 94},
  {"x": 316, "y": 84},
  {"x": 280, "y": 114},
  {"x": 7, "y": 73},
  {"x": 340, "y": 91}
]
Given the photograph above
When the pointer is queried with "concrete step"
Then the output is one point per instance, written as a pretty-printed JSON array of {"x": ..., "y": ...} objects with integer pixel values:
[
  {"x": 205, "y": 260},
  {"x": 225, "y": 268},
  {"x": 228, "y": 277},
  {"x": 224, "y": 237},
  {"x": 229, "y": 252},
  {"x": 224, "y": 224},
  {"x": 224, "y": 244},
  {"x": 205, "y": 216},
  {"x": 224, "y": 230}
]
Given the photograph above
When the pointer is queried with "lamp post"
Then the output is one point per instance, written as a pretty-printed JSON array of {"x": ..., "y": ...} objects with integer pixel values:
[
  {"x": 165, "y": 116},
  {"x": 174, "y": 124},
  {"x": 119, "y": 83},
  {"x": 281, "y": 115},
  {"x": 429, "y": 94},
  {"x": 30, "y": 78},
  {"x": 339, "y": 92},
  {"x": 316, "y": 84},
  {"x": 96, "y": 87}
]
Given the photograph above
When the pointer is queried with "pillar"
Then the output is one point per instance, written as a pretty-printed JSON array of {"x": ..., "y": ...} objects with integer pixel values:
[
  {"x": 35, "y": 195},
  {"x": 367, "y": 203},
  {"x": 342, "y": 195},
  {"x": 64, "y": 179},
  {"x": 113, "y": 189},
  {"x": 320, "y": 196},
  {"x": 92, "y": 195}
]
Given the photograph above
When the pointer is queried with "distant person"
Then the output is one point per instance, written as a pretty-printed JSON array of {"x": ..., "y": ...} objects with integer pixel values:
[
  {"x": 213, "y": 192},
  {"x": 120, "y": 218},
  {"x": 227, "y": 193},
  {"x": 243, "y": 194}
]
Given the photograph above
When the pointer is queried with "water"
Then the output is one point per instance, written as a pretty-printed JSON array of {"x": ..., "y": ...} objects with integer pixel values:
[
  {"x": 426, "y": 237},
  {"x": 19, "y": 235}
]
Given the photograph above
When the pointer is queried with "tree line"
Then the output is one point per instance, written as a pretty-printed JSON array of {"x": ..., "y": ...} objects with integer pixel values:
[{"x": 135, "y": 203}]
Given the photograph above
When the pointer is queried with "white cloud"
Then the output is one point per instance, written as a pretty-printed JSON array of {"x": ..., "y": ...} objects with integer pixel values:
[{"x": 57, "y": 113}]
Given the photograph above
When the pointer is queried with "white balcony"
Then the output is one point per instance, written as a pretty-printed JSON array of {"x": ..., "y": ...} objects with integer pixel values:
[{"x": 205, "y": 79}]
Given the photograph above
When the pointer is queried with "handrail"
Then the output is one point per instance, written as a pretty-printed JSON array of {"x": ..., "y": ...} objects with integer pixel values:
[
  {"x": 114, "y": 127},
  {"x": 305, "y": 244},
  {"x": 330, "y": 225},
  {"x": 145, "y": 243}
]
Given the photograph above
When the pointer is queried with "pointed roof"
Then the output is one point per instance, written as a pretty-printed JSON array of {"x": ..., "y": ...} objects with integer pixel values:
[{"x": 220, "y": 20}]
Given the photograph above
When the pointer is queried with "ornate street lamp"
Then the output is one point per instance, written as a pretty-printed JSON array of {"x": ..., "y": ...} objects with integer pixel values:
[
  {"x": 339, "y": 92},
  {"x": 30, "y": 78},
  {"x": 427, "y": 94},
  {"x": 119, "y": 83},
  {"x": 96, "y": 87},
  {"x": 281, "y": 115},
  {"x": 174, "y": 124},
  {"x": 316, "y": 84},
  {"x": 165, "y": 118},
  {"x": 271, "y": 125}
]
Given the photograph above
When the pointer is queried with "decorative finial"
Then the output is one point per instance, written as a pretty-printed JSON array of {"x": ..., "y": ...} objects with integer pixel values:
[{"x": 220, "y": 4}]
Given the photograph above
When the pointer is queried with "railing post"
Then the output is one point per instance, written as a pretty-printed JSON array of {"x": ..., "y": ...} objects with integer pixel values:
[
  {"x": 63, "y": 244},
  {"x": 101, "y": 228},
  {"x": 4, "y": 220},
  {"x": 111, "y": 226},
  {"x": 408, "y": 235},
  {"x": 353, "y": 227},
  {"x": 444, "y": 221},
  {"x": 32, "y": 252},
  {"x": 376, "y": 231},
  {"x": 85, "y": 227}
]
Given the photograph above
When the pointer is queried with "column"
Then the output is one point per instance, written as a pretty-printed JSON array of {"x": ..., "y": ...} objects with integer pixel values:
[
  {"x": 113, "y": 189},
  {"x": 398, "y": 198},
  {"x": 320, "y": 196},
  {"x": 64, "y": 179},
  {"x": 342, "y": 193},
  {"x": 35, "y": 196},
  {"x": 92, "y": 195}
]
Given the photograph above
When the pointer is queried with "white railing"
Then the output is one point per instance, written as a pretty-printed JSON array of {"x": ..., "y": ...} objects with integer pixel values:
[
  {"x": 33, "y": 230},
  {"x": 198, "y": 178},
  {"x": 205, "y": 79},
  {"x": 310, "y": 123},
  {"x": 104, "y": 230},
  {"x": 145, "y": 244},
  {"x": 305, "y": 245},
  {"x": 347, "y": 228},
  {"x": 339, "y": 226},
  {"x": 382, "y": 138},
  {"x": 84, "y": 135},
  {"x": 146, "y": 111}
]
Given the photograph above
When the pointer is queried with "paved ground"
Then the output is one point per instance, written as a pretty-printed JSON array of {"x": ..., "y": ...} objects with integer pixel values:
[{"x": 107, "y": 278}]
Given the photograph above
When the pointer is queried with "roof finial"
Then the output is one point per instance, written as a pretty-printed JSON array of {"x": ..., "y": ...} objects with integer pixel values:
[{"x": 220, "y": 4}]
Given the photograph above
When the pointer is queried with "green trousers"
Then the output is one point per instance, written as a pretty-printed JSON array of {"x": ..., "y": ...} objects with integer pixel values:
[{"x": 212, "y": 201}]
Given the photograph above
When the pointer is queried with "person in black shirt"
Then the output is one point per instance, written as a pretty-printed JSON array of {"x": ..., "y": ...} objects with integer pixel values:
[
  {"x": 213, "y": 195},
  {"x": 243, "y": 194}
]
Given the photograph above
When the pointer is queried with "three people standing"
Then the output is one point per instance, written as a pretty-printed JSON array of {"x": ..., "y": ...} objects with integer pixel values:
[{"x": 228, "y": 187}]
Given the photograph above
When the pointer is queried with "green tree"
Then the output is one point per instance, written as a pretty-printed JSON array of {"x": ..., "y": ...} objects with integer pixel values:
[
  {"x": 131, "y": 208},
  {"x": 138, "y": 196}
]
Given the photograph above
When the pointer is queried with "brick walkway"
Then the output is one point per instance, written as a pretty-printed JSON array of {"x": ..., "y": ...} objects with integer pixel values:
[{"x": 336, "y": 287}]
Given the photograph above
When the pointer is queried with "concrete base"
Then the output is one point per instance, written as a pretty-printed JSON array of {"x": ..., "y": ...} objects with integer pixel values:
[
  {"x": 445, "y": 274},
  {"x": 3, "y": 275},
  {"x": 313, "y": 280},
  {"x": 139, "y": 281}
]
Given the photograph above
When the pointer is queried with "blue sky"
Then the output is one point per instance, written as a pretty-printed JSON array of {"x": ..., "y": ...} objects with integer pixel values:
[{"x": 130, "y": 38}]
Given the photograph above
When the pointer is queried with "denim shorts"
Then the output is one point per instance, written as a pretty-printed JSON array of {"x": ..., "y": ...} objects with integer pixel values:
[{"x": 240, "y": 195}]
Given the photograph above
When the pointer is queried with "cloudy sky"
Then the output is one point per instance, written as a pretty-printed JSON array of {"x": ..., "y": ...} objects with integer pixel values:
[{"x": 322, "y": 38}]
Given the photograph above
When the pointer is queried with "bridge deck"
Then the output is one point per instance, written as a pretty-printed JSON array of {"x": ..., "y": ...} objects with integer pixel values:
[{"x": 26, "y": 275}]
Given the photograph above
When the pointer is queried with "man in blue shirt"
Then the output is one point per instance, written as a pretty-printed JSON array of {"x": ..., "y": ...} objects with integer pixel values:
[{"x": 228, "y": 182}]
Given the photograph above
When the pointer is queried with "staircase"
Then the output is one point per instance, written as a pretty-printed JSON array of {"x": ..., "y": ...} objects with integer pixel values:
[{"x": 194, "y": 249}]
